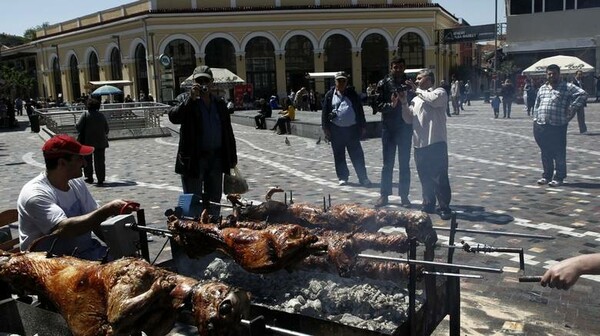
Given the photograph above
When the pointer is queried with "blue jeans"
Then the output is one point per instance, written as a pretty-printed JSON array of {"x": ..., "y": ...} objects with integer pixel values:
[
  {"x": 343, "y": 138},
  {"x": 395, "y": 139},
  {"x": 209, "y": 182},
  {"x": 552, "y": 141}
]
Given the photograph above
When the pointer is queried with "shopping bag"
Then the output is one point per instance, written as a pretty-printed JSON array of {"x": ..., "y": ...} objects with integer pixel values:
[{"x": 234, "y": 183}]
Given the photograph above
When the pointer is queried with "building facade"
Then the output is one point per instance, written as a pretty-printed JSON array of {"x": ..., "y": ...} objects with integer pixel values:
[
  {"x": 271, "y": 44},
  {"x": 542, "y": 28}
]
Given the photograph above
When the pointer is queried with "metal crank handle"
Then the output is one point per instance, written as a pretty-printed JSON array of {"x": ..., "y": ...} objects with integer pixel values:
[{"x": 530, "y": 278}]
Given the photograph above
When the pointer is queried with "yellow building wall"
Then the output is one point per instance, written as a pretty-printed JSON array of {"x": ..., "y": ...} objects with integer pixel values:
[
  {"x": 175, "y": 4},
  {"x": 254, "y": 3}
]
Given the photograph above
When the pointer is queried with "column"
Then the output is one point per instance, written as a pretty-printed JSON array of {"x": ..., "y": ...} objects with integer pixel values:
[
  {"x": 128, "y": 74},
  {"x": 65, "y": 79},
  {"x": 319, "y": 61},
  {"x": 84, "y": 85},
  {"x": 280, "y": 73},
  {"x": 357, "y": 69},
  {"x": 200, "y": 59},
  {"x": 104, "y": 68}
]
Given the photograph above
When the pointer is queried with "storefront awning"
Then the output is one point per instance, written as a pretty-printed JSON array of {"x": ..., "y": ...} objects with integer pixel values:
[{"x": 111, "y": 82}]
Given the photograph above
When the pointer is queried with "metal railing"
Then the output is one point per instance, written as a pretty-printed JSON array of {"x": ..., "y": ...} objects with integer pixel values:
[{"x": 119, "y": 116}]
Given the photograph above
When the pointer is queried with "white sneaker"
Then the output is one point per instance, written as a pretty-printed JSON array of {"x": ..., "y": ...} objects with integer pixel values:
[
  {"x": 542, "y": 181},
  {"x": 555, "y": 183},
  {"x": 343, "y": 182}
]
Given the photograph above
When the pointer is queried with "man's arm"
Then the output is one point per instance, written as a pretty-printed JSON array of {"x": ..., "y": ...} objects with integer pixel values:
[
  {"x": 75, "y": 226},
  {"x": 566, "y": 273},
  {"x": 579, "y": 97},
  {"x": 435, "y": 98},
  {"x": 177, "y": 112}
]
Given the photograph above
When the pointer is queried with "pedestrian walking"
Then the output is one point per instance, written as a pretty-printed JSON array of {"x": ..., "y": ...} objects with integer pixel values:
[
  {"x": 578, "y": 80},
  {"x": 92, "y": 127}
]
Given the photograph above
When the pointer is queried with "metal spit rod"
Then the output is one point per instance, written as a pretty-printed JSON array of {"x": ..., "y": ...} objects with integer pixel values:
[
  {"x": 500, "y": 233},
  {"x": 432, "y": 263},
  {"x": 455, "y": 275},
  {"x": 530, "y": 278},
  {"x": 278, "y": 330},
  {"x": 155, "y": 231}
]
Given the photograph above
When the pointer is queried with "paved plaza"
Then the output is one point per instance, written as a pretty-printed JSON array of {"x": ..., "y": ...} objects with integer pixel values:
[{"x": 494, "y": 164}]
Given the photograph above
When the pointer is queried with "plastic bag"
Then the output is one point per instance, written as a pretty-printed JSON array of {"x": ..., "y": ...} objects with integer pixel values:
[{"x": 234, "y": 183}]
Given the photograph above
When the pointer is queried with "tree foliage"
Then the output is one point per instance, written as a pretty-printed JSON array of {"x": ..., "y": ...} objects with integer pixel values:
[
  {"x": 14, "y": 82},
  {"x": 30, "y": 34}
]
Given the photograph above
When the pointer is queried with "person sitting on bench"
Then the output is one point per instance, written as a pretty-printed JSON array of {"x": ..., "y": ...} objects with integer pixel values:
[{"x": 288, "y": 114}]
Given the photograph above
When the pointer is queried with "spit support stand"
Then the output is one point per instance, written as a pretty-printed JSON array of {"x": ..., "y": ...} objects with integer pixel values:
[{"x": 489, "y": 249}]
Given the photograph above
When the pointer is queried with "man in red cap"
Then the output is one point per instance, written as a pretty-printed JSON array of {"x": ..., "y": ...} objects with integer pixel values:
[{"x": 58, "y": 204}]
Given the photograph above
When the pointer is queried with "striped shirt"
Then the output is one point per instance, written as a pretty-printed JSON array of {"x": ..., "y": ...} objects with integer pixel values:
[{"x": 551, "y": 105}]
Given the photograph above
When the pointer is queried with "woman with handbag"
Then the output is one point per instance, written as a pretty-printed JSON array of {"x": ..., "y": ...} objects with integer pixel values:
[{"x": 93, "y": 131}]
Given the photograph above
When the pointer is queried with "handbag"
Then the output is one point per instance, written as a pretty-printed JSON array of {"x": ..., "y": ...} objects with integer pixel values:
[{"x": 234, "y": 183}]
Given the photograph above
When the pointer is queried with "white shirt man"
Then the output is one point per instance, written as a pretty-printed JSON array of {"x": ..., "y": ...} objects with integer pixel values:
[{"x": 427, "y": 113}]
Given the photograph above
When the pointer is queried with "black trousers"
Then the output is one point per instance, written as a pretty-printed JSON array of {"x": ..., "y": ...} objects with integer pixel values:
[
  {"x": 432, "y": 167},
  {"x": 98, "y": 164}
]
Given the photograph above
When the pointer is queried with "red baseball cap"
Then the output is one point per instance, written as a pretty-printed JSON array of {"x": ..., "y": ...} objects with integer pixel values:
[{"x": 62, "y": 144}]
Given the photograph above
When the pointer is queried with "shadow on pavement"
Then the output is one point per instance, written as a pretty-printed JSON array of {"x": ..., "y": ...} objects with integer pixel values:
[
  {"x": 117, "y": 184},
  {"x": 583, "y": 185},
  {"x": 475, "y": 213}
]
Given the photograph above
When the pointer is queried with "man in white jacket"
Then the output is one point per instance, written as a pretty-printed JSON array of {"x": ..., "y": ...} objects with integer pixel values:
[{"x": 427, "y": 113}]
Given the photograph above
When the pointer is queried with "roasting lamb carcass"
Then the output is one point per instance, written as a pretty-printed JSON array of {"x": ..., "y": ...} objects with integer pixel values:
[
  {"x": 273, "y": 248},
  {"x": 340, "y": 217},
  {"x": 124, "y": 296}
]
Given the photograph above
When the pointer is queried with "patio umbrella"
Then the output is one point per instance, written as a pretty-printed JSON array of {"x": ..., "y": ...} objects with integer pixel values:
[
  {"x": 107, "y": 90},
  {"x": 567, "y": 64}
]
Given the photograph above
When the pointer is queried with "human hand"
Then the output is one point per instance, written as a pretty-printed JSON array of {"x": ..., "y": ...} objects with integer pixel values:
[
  {"x": 562, "y": 275},
  {"x": 402, "y": 97},
  {"x": 195, "y": 92},
  {"x": 395, "y": 99},
  {"x": 121, "y": 207}
]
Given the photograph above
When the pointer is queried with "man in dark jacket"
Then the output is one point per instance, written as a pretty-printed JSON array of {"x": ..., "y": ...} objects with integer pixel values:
[
  {"x": 343, "y": 122},
  {"x": 265, "y": 112},
  {"x": 396, "y": 135},
  {"x": 207, "y": 147},
  {"x": 92, "y": 127}
]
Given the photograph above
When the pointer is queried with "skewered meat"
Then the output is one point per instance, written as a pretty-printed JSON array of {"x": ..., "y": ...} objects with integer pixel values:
[
  {"x": 258, "y": 251},
  {"x": 341, "y": 217},
  {"x": 380, "y": 270},
  {"x": 124, "y": 296}
]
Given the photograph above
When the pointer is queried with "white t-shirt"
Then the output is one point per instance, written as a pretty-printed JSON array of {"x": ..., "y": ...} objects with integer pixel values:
[{"x": 42, "y": 207}]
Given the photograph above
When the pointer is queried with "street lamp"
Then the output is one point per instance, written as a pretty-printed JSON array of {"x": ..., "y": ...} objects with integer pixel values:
[{"x": 495, "y": 44}]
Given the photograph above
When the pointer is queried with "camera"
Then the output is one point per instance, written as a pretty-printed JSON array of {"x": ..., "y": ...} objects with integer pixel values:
[{"x": 332, "y": 115}]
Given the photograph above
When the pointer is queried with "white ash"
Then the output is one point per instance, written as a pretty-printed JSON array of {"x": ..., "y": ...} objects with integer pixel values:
[{"x": 358, "y": 302}]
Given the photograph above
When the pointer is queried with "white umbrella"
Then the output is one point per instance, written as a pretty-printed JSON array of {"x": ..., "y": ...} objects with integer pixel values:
[
  {"x": 221, "y": 76},
  {"x": 567, "y": 65},
  {"x": 107, "y": 90}
]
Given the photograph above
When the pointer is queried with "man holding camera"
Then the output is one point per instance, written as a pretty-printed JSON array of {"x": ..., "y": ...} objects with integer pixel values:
[
  {"x": 343, "y": 122},
  {"x": 396, "y": 134},
  {"x": 207, "y": 147}
]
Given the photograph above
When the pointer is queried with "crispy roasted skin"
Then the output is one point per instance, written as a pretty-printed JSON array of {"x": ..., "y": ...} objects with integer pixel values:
[
  {"x": 380, "y": 270},
  {"x": 272, "y": 248},
  {"x": 124, "y": 296},
  {"x": 342, "y": 217}
]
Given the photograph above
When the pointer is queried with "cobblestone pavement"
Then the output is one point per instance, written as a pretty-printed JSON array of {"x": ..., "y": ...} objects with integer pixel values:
[{"x": 494, "y": 164}]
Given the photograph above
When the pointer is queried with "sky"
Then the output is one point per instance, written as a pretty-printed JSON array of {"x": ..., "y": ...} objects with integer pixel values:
[{"x": 16, "y": 16}]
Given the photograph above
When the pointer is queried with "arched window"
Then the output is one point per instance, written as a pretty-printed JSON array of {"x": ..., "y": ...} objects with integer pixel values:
[
  {"x": 184, "y": 62},
  {"x": 338, "y": 57},
  {"x": 374, "y": 59},
  {"x": 94, "y": 70},
  {"x": 141, "y": 71},
  {"x": 74, "y": 72},
  {"x": 412, "y": 50},
  {"x": 299, "y": 59},
  {"x": 115, "y": 64},
  {"x": 220, "y": 54},
  {"x": 56, "y": 77},
  {"x": 260, "y": 67}
]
